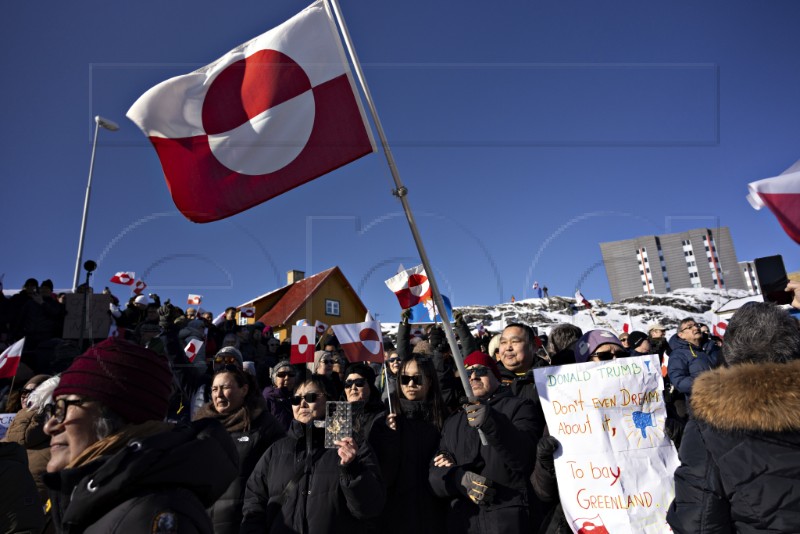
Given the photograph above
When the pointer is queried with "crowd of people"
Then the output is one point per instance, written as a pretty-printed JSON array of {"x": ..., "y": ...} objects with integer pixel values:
[{"x": 129, "y": 434}]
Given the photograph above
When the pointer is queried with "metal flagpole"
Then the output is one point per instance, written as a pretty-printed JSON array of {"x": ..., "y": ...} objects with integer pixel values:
[{"x": 401, "y": 193}]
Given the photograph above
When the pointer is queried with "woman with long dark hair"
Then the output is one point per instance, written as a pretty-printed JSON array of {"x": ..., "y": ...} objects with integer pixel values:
[{"x": 419, "y": 414}]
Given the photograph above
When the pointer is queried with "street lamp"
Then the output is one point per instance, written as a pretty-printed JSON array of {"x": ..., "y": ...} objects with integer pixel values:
[{"x": 110, "y": 126}]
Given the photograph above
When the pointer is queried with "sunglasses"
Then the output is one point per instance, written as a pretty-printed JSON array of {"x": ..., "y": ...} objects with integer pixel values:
[
  {"x": 478, "y": 372},
  {"x": 393, "y": 359},
  {"x": 357, "y": 382},
  {"x": 225, "y": 360},
  {"x": 610, "y": 354},
  {"x": 310, "y": 398},
  {"x": 26, "y": 392},
  {"x": 284, "y": 374},
  {"x": 406, "y": 379},
  {"x": 58, "y": 409},
  {"x": 328, "y": 361}
]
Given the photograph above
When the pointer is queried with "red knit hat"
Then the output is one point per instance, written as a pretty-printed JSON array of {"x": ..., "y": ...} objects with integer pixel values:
[
  {"x": 134, "y": 382},
  {"x": 481, "y": 358}
]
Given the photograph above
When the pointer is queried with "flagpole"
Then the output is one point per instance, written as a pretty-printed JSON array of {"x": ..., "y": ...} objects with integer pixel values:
[
  {"x": 401, "y": 193},
  {"x": 386, "y": 381}
]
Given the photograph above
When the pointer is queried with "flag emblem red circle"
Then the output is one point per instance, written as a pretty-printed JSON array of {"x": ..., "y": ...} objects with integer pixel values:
[
  {"x": 124, "y": 278},
  {"x": 259, "y": 113},
  {"x": 418, "y": 285},
  {"x": 303, "y": 344},
  {"x": 371, "y": 341}
]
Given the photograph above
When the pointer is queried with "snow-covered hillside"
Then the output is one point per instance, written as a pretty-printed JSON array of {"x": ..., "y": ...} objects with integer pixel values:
[{"x": 700, "y": 304}]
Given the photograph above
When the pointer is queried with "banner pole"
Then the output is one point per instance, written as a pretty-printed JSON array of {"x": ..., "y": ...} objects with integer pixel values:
[{"x": 401, "y": 193}]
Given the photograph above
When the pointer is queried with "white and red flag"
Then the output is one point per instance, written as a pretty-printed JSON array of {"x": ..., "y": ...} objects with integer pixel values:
[
  {"x": 273, "y": 113},
  {"x": 628, "y": 326},
  {"x": 781, "y": 195},
  {"x": 303, "y": 344},
  {"x": 581, "y": 300},
  {"x": 410, "y": 286},
  {"x": 320, "y": 327},
  {"x": 192, "y": 349},
  {"x": 138, "y": 287},
  {"x": 719, "y": 328},
  {"x": 9, "y": 360},
  {"x": 194, "y": 300},
  {"x": 248, "y": 312},
  {"x": 361, "y": 342},
  {"x": 125, "y": 278}
]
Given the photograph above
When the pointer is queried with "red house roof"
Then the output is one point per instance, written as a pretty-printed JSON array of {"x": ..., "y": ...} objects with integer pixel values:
[{"x": 295, "y": 296}]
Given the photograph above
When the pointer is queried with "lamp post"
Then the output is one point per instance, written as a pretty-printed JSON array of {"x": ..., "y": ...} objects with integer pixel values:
[{"x": 113, "y": 127}]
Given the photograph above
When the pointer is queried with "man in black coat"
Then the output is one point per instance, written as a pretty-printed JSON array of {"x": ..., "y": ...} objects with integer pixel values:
[{"x": 488, "y": 485}]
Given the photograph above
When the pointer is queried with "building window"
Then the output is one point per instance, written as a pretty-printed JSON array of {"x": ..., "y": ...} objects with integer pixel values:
[{"x": 332, "y": 307}]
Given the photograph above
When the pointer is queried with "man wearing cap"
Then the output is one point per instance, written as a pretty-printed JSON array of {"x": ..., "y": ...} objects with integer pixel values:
[
  {"x": 657, "y": 337},
  {"x": 488, "y": 486},
  {"x": 133, "y": 314},
  {"x": 115, "y": 465}
]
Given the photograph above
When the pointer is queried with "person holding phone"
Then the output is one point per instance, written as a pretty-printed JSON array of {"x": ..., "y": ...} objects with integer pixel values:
[{"x": 300, "y": 486}]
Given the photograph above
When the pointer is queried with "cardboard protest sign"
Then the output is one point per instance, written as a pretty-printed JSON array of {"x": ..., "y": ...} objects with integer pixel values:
[{"x": 615, "y": 466}]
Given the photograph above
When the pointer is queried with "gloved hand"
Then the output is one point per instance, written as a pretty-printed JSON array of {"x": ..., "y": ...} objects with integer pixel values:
[
  {"x": 458, "y": 317},
  {"x": 478, "y": 488},
  {"x": 164, "y": 313},
  {"x": 476, "y": 414},
  {"x": 156, "y": 299},
  {"x": 436, "y": 338},
  {"x": 544, "y": 452},
  {"x": 405, "y": 315}
]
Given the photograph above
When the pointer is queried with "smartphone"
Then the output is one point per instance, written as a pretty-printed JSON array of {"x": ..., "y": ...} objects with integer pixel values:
[
  {"x": 772, "y": 279},
  {"x": 338, "y": 422}
]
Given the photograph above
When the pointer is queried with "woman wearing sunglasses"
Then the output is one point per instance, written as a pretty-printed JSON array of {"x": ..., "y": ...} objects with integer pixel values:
[
  {"x": 284, "y": 376},
  {"x": 599, "y": 346},
  {"x": 236, "y": 403},
  {"x": 419, "y": 415},
  {"x": 115, "y": 465},
  {"x": 300, "y": 486}
]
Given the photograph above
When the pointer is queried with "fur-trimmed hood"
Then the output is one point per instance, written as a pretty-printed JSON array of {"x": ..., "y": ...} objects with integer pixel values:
[{"x": 761, "y": 397}]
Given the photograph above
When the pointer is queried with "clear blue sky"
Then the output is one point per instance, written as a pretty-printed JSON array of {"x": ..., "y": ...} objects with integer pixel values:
[{"x": 527, "y": 132}]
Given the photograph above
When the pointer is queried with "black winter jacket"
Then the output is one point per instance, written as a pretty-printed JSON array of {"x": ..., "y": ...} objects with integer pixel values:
[
  {"x": 740, "y": 455},
  {"x": 512, "y": 430},
  {"x": 162, "y": 483},
  {"x": 327, "y": 497},
  {"x": 20, "y": 506}
]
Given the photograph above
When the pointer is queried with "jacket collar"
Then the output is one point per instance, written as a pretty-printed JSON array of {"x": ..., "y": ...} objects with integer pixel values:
[{"x": 761, "y": 397}]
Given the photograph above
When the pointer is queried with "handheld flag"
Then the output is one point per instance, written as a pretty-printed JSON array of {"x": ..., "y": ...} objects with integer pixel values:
[
  {"x": 782, "y": 196},
  {"x": 138, "y": 287},
  {"x": 580, "y": 300},
  {"x": 320, "y": 327},
  {"x": 361, "y": 342},
  {"x": 427, "y": 312},
  {"x": 9, "y": 360},
  {"x": 272, "y": 114},
  {"x": 192, "y": 349},
  {"x": 303, "y": 343},
  {"x": 125, "y": 278},
  {"x": 410, "y": 286},
  {"x": 719, "y": 329},
  {"x": 194, "y": 300}
]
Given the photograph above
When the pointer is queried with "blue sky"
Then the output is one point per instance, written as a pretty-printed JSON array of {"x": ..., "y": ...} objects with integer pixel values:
[{"x": 527, "y": 132}]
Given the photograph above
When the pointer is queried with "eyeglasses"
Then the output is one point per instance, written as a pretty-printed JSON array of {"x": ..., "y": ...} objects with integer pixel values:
[
  {"x": 25, "y": 392},
  {"x": 478, "y": 372},
  {"x": 327, "y": 361},
  {"x": 58, "y": 409},
  {"x": 393, "y": 359},
  {"x": 284, "y": 374},
  {"x": 610, "y": 354},
  {"x": 310, "y": 398},
  {"x": 226, "y": 360},
  {"x": 406, "y": 379},
  {"x": 691, "y": 326},
  {"x": 357, "y": 382}
]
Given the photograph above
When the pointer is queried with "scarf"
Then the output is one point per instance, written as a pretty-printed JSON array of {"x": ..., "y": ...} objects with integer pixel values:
[{"x": 237, "y": 421}]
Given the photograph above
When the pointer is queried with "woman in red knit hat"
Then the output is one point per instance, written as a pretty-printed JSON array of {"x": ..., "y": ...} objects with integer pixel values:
[{"x": 115, "y": 465}]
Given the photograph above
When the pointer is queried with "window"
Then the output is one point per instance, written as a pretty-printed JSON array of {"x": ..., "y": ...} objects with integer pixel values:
[{"x": 331, "y": 307}]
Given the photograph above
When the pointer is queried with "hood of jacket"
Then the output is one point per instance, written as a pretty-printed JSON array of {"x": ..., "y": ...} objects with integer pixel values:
[
  {"x": 177, "y": 458},
  {"x": 760, "y": 397}
]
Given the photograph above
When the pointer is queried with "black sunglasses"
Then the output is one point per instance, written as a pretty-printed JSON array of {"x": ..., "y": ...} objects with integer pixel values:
[
  {"x": 610, "y": 354},
  {"x": 357, "y": 382},
  {"x": 284, "y": 374},
  {"x": 478, "y": 372},
  {"x": 406, "y": 379},
  {"x": 310, "y": 398},
  {"x": 25, "y": 392},
  {"x": 58, "y": 409},
  {"x": 393, "y": 359}
]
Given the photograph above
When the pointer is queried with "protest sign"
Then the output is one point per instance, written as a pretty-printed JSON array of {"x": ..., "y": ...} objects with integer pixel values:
[
  {"x": 615, "y": 465},
  {"x": 5, "y": 422}
]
